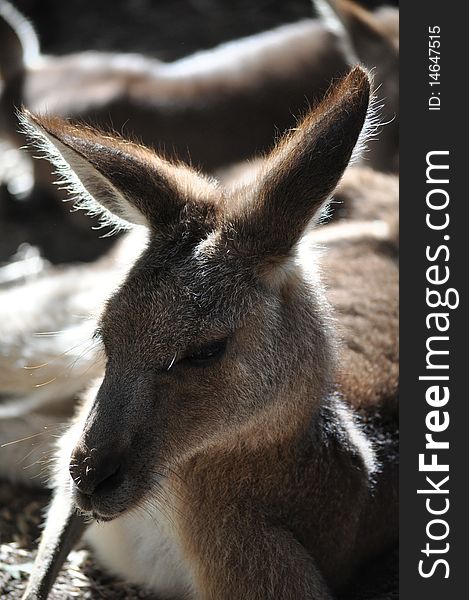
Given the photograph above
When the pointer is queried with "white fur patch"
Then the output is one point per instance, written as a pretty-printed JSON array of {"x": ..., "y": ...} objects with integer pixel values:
[
  {"x": 207, "y": 245},
  {"x": 143, "y": 547}
]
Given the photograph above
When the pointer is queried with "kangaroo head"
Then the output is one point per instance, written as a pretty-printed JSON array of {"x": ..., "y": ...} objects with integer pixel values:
[{"x": 220, "y": 323}]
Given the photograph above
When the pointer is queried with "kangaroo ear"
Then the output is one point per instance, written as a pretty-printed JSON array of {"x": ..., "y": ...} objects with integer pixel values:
[
  {"x": 301, "y": 173},
  {"x": 123, "y": 182}
]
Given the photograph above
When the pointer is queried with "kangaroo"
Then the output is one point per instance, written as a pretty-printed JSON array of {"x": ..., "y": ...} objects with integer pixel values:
[{"x": 219, "y": 457}]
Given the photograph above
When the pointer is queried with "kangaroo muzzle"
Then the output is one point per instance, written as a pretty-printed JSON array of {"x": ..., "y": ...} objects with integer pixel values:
[{"x": 95, "y": 470}]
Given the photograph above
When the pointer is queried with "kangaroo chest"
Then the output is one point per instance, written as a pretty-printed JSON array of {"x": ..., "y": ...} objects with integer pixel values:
[{"x": 143, "y": 548}]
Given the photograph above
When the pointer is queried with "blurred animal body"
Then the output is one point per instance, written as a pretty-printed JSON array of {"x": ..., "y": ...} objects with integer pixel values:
[
  {"x": 219, "y": 454},
  {"x": 213, "y": 107}
]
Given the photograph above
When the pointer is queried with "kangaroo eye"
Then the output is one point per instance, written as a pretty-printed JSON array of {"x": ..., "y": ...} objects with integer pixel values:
[{"x": 207, "y": 353}]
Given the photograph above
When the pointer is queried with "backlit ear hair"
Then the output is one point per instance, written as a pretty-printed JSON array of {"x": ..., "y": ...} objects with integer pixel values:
[{"x": 121, "y": 182}]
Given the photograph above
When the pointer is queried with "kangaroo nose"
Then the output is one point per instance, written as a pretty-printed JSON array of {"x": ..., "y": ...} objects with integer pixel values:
[{"x": 95, "y": 470}]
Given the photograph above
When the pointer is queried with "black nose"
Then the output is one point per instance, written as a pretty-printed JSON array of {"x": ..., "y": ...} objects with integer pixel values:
[{"x": 96, "y": 470}]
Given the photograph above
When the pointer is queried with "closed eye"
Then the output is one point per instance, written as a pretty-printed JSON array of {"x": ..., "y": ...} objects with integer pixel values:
[{"x": 207, "y": 353}]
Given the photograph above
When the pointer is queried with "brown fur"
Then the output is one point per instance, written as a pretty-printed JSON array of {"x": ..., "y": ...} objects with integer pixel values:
[{"x": 270, "y": 485}]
